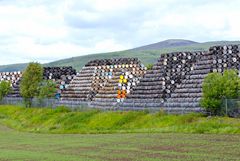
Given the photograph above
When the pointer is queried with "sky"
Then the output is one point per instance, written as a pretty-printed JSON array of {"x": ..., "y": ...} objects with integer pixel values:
[{"x": 49, "y": 30}]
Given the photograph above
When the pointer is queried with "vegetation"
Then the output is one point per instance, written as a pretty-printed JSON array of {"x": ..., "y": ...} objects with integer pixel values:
[
  {"x": 29, "y": 86},
  {"x": 62, "y": 120},
  {"x": 216, "y": 87},
  {"x": 149, "y": 66},
  {"x": 5, "y": 89},
  {"x": 47, "y": 89},
  {"x": 143, "y": 147},
  {"x": 146, "y": 56}
]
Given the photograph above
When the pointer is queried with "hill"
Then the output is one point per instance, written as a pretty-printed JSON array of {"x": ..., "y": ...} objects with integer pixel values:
[
  {"x": 165, "y": 44},
  {"x": 143, "y": 53}
]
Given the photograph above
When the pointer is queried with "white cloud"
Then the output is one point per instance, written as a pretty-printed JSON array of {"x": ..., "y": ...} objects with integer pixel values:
[{"x": 46, "y": 31}]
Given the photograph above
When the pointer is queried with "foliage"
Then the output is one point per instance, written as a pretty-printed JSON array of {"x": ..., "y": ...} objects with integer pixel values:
[
  {"x": 5, "y": 89},
  {"x": 149, "y": 66},
  {"x": 216, "y": 87},
  {"x": 61, "y": 120},
  {"x": 47, "y": 89},
  {"x": 31, "y": 79}
]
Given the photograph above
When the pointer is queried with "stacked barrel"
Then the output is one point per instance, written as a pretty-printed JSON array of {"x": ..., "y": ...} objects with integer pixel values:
[
  {"x": 61, "y": 75},
  {"x": 158, "y": 83},
  {"x": 98, "y": 81},
  {"x": 81, "y": 87},
  {"x": 225, "y": 57},
  {"x": 14, "y": 79},
  {"x": 125, "y": 77},
  {"x": 187, "y": 95}
]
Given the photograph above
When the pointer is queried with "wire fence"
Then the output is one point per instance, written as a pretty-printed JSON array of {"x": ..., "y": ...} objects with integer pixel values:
[
  {"x": 35, "y": 102},
  {"x": 231, "y": 107}
]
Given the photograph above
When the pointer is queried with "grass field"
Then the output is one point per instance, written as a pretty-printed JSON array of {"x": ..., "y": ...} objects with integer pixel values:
[
  {"x": 122, "y": 147},
  {"x": 46, "y": 134}
]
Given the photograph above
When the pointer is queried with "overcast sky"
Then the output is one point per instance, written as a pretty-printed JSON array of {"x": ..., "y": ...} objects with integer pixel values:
[{"x": 47, "y": 30}]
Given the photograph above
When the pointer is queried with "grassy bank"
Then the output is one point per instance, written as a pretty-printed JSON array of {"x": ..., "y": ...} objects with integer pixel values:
[{"x": 63, "y": 121}]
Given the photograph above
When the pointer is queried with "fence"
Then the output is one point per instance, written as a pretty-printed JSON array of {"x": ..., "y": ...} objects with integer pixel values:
[
  {"x": 231, "y": 107},
  {"x": 35, "y": 102}
]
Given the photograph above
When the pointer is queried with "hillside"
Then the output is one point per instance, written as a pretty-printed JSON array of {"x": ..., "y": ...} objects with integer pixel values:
[
  {"x": 165, "y": 44},
  {"x": 145, "y": 55}
]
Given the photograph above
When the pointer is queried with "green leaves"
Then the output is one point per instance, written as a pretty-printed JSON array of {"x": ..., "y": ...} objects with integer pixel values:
[
  {"x": 29, "y": 86},
  {"x": 5, "y": 89},
  {"x": 47, "y": 89},
  {"x": 217, "y": 86}
]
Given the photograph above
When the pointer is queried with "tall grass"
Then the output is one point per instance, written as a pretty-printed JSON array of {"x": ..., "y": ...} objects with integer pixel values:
[{"x": 62, "y": 120}]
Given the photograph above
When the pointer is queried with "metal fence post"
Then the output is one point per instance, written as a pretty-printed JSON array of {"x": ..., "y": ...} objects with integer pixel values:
[{"x": 226, "y": 108}]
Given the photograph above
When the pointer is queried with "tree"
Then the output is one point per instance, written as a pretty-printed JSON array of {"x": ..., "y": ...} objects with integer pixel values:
[
  {"x": 5, "y": 89},
  {"x": 47, "y": 89},
  {"x": 216, "y": 87},
  {"x": 29, "y": 85}
]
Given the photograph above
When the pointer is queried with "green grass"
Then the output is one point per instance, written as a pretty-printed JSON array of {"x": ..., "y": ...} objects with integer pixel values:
[
  {"x": 131, "y": 136},
  {"x": 61, "y": 120},
  {"x": 25, "y": 146}
]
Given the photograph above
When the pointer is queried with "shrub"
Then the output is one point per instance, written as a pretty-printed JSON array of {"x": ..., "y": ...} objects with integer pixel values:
[
  {"x": 149, "y": 66},
  {"x": 216, "y": 87},
  {"x": 47, "y": 89},
  {"x": 5, "y": 89}
]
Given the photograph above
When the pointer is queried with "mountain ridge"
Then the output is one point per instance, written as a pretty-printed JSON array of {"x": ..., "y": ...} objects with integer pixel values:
[
  {"x": 165, "y": 44},
  {"x": 143, "y": 53}
]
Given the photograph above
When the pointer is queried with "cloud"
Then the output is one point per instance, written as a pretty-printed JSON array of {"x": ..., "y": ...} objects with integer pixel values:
[{"x": 50, "y": 30}]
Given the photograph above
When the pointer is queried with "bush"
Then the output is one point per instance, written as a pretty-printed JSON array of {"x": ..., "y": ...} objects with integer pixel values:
[
  {"x": 149, "y": 66},
  {"x": 216, "y": 87},
  {"x": 47, "y": 89},
  {"x": 29, "y": 86},
  {"x": 5, "y": 89}
]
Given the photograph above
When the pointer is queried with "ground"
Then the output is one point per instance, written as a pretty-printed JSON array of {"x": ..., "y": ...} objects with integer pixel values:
[{"x": 155, "y": 146}]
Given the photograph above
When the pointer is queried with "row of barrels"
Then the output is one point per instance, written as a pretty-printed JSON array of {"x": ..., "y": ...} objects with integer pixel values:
[
  {"x": 189, "y": 93},
  {"x": 62, "y": 76},
  {"x": 100, "y": 79},
  {"x": 124, "y": 77},
  {"x": 80, "y": 88},
  {"x": 225, "y": 57},
  {"x": 59, "y": 72},
  {"x": 165, "y": 75},
  {"x": 119, "y": 87},
  {"x": 113, "y": 62},
  {"x": 14, "y": 78}
]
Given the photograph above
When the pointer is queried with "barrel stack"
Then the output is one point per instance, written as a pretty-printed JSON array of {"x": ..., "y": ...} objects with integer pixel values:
[
  {"x": 62, "y": 76},
  {"x": 126, "y": 74},
  {"x": 174, "y": 83},
  {"x": 99, "y": 82},
  {"x": 80, "y": 88},
  {"x": 187, "y": 95},
  {"x": 14, "y": 78},
  {"x": 158, "y": 83}
]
